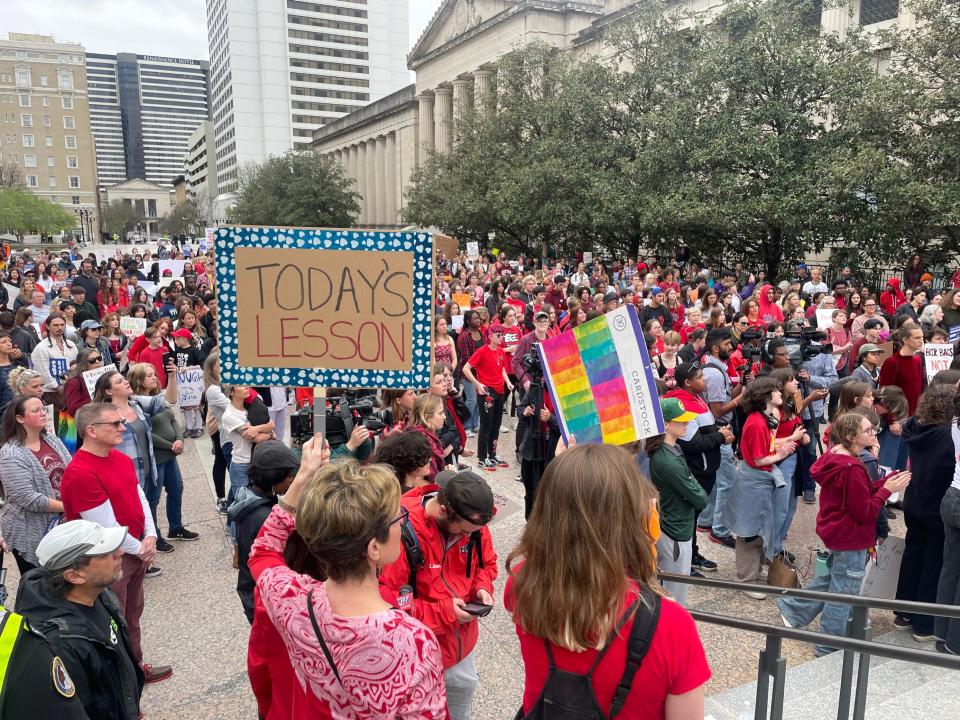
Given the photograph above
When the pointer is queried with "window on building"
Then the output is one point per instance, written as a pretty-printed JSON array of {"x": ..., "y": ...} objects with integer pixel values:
[
  {"x": 51, "y": 181},
  {"x": 72, "y": 162},
  {"x": 33, "y": 181},
  {"x": 24, "y": 101},
  {"x": 23, "y": 76},
  {"x": 29, "y": 160},
  {"x": 48, "y": 141},
  {"x": 70, "y": 141},
  {"x": 74, "y": 181},
  {"x": 21, "y": 54},
  {"x": 67, "y": 103},
  {"x": 46, "y": 121},
  {"x": 44, "y": 81},
  {"x": 140, "y": 208},
  {"x": 874, "y": 11},
  {"x": 75, "y": 199},
  {"x": 151, "y": 208},
  {"x": 65, "y": 79},
  {"x": 69, "y": 122},
  {"x": 26, "y": 121},
  {"x": 51, "y": 161},
  {"x": 45, "y": 101},
  {"x": 28, "y": 140}
]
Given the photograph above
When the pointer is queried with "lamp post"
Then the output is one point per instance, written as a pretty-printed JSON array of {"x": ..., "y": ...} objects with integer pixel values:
[{"x": 86, "y": 223}]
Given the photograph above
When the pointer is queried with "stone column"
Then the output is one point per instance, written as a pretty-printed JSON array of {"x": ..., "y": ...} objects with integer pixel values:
[
  {"x": 352, "y": 155},
  {"x": 425, "y": 114},
  {"x": 370, "y": 196},
  {"x": 381, "y": 164},
  {"x": 361, "y": 187},
  {"x": 461, "y": 102},
  {"x": 390, "y": 180},
  {"x": 482, "y": 87},
  {"x": 443, "y": 117}
]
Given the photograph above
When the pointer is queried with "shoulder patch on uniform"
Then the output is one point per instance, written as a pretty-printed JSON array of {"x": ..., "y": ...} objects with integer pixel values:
[{"x": 61, "y": 679}]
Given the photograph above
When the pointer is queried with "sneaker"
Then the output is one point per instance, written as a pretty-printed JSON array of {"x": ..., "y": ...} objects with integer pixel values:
[
  {"x": 695, "y": 573},
  {"x": 182, "y": 534},
  {"x": 518, "y": 478},
  {"x": 903, "y": 623},
  {"x": 726, "y": 540},
  {"x": 810, "y": 496},
  {"x": 489, "y": 465},
  {"x": 221, "y": 506},
  {"x": 942, "y": 648},
  {"x": 197, "y": 433},
  {"x": 471, "y": 433},
  {"x": 156, "y": 673},
  {"x": 755, "y": 595},
  {"x": 153, "y": 571},
  {"x": 164, "y": 547},
  {"x": 790, "y": 557},
  {"x": 701, "y": 563},
  {"x": 462, "y": 466},
  {"x": 786, "y": 623},
  {"x": 891, "y": 515},
  {"x": 499, "y": 462},
  {"x": 703, "y": 528},
  {"x": 923, "y": 637}
]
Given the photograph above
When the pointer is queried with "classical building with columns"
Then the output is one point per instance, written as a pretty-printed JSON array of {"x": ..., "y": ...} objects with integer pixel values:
[{"x": 455, "y": 62}]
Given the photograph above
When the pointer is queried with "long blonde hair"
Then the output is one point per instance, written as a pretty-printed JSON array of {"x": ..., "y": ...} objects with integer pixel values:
[
  {"x": 588, "y": 537},
  {"x": 137, "y": 375},
  {"x": 425, "y": 406}
]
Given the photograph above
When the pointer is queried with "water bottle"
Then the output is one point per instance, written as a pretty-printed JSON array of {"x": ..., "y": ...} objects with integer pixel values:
[{"x": 405, "y": 598}]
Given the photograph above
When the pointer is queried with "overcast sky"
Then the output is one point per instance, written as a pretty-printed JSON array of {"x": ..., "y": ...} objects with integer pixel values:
[{"x": 176, "y": 28}]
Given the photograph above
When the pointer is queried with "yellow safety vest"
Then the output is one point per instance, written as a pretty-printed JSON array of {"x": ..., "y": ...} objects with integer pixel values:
[{"x": 11, "y": 625}]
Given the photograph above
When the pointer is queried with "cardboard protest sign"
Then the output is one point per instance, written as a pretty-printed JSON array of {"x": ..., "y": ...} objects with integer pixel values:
[
  {"x": 461, "y": 299},
  {"x": 208, "y": 239},
  {"x": 587, "y": 258},
  {"x": 883, "y": 572},
  {"x": 936, "y": 358},
  {"x": 601, "y": 380},
  {"x": 473, "y": 248},
  {"x": 190, "y": 386},
  {"x": 90, "y": 377},
  {"x": 132, "y": 327},
  {"x": 329, "y": 308},
  {"x": 449, "y": 246}
]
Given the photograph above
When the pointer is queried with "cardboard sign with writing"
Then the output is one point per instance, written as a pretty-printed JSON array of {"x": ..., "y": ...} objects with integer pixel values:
[
  {"x": 190, "y": 386},
  {"x": 449, "y": 246},
  {"x": 330, "y": 308},
  {"x": 883, "y": 572},
  {"x": 936, "y": 358},
  {"x": 90, "y": 377},
  {"x": 132, "y": 327},
  {"x": 461, "y": 299}
]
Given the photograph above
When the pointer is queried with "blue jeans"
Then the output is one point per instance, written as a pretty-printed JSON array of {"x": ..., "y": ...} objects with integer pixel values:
[
  {"x": 726, "y": 474},
  {"x": 845, "y": 570},
  {"x": 785, "y": 504},
  {"x": 169, "y": 479},
  {"x": 238, "y": 478},
  {"x": 470, "y": 398}
]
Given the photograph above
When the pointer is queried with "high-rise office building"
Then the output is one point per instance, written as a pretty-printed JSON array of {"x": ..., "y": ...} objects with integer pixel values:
[
  {"x": 280, "y": 69},
  {"x": 143, "y": 110},
  {"x": 44, "y": 120}
]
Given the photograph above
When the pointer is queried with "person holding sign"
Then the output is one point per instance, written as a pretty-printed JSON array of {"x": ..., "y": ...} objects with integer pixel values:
[
  {"x": 187, "y": 355},
  {"x": 491, "y": 382},
  {"x": 52, "y": 358},
  {"x": 75, "y": 392},
  {"x": 32, "y": 462}
]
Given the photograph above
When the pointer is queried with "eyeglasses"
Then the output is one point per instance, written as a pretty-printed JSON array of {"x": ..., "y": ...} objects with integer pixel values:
[
  {"x": 402, "y": 517},
  {"x": 95, "y": 358},
  {"x": 871, "y": 431},
  {"x": 117, "y": 424}
]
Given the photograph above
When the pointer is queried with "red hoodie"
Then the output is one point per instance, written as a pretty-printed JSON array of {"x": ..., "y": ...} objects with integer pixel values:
[
  {"x": 849, "y": 502},
  {"x": 892, "y": 297},
  {"x": 769, "y": 311}
]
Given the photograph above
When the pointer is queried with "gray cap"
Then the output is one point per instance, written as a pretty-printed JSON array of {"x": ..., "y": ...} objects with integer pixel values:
[
  {"x": 868, "y": 348},
  {"x": 274, "y": 455},
  {"x": 68, "y": 542}
]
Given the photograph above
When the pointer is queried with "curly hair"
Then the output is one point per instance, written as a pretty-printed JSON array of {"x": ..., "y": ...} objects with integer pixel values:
[
  {"x": 936, "y": 405},
  {"x": 405, "y": 452},
  {"x": 757, "y": 393}
]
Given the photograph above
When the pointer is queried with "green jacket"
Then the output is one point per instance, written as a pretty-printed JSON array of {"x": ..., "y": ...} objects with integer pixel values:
[{"x": 680, "y": 494}]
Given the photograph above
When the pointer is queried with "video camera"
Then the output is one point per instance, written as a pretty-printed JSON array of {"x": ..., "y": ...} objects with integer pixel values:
[
  {"x": 751, "y": 353},
  {"x": 532, "y": 364},
  {"x": 806, "y": 345},
  {"x": 344, "y": 413}
]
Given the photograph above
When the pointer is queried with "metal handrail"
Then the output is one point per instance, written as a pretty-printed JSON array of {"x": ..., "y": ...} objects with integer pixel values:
[
  {"x": 902, "y": 606},
  {"x": 773, "y": 666}
]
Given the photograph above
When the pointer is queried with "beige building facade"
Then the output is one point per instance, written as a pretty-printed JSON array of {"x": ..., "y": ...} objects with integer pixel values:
[
  {"x": 455, "y": 62},
  {"x": 150, "y": 201},
  {"x": 45, "y": 120}
]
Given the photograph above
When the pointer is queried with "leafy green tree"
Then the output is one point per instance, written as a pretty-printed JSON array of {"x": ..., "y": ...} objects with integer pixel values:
[
  {"x": 300, "y": 188},
  {"x": 183, "y": 219},
  {"x": 118, "y": 218},
  {"x": 21, "y": 212}
]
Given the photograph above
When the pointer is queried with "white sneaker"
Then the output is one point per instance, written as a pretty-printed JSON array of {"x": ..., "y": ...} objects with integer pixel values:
[
  {"x": 755, "y": 595},
  {"x": 786, "y": 623},
  {"x": 471, "y": 433}
]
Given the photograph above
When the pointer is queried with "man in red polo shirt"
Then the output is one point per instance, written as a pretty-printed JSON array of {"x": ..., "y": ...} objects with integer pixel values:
[
  {"x": 487, "y": 370},
  {"x": 100, "y": 485}
]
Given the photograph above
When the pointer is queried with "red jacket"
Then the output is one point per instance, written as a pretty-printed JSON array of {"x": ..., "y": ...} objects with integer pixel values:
[
  {"x": 849, "y": 502},
  {"x": 442, "y": 578},
  {"x": 892, "y": 297}
]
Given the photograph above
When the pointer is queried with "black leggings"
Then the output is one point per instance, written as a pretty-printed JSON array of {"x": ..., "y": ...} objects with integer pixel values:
[
  {"x": 23, "y": 565},
  {"x": 219, "y": 467}
]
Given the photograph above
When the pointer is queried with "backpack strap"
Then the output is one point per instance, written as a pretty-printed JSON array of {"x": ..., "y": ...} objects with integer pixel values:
[
  {"x": 641, "y": 635},
  {"x": 413, "y": 551},
  {"x": 323, "y": 644},
  {"x": 616, "y": 631}
]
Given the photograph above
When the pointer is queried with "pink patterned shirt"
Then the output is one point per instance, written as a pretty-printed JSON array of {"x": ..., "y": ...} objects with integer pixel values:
[{"x": 389, "y": 662}]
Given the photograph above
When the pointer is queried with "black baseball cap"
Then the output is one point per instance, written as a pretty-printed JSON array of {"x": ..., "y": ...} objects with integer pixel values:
[
  {"x": 274, "y": 455},
  {"x": 467, "y": 494}
]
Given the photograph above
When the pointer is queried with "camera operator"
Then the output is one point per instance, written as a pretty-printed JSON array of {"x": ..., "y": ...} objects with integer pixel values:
[
  {"x": 723, "y": 397},
  {"x": 541, "y": 326},
  {"x": 540, "y": 434},
  {"x": 817, "y": 373}
]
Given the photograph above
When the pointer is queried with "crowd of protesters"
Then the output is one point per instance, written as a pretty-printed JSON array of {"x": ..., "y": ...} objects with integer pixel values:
[{"x": 363, "y": 569}]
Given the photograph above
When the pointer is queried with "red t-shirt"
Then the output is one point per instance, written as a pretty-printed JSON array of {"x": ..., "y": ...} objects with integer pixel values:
[
  {"x": 756, "y": 442},
  {"x": 675, "y": 663},
  {"x": 52, "y": 465},
  {"x": 488, "y": 367},
  {"x": 90, "y": 480},
  {"x": 155, "y": 358},
  {"x": 511, "y": 336}
]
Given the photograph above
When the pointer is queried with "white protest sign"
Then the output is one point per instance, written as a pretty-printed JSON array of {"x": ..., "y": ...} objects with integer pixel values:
[
  {"x": 587, "y": 258},
  {"x": 150, "y": 287},
  {"x": 90, "y": 377},
  {"x": 473, "y": 248},
  {"x": 825, "y": 318},
  {"x": 882, "y": 574},
  {"x": 936, "y": 358},
  {"x": 12, "y": 292},
  {"x": 190, "y": 386},
  {"x": 505, "y": 507},
  {"x": 457, "y": 322},
  {"x": 48, "y": 411},
  {"x": 175, "y": 267},
  {"x": 210, "y": 235},
  {"x": 133, "y": 327}
]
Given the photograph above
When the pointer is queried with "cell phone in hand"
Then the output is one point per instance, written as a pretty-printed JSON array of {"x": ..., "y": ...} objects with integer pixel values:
[{"x": 477, "y": 609}]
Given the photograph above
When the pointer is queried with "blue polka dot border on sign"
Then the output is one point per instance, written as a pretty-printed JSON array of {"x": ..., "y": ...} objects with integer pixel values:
[{"x": 227, "y": 239}]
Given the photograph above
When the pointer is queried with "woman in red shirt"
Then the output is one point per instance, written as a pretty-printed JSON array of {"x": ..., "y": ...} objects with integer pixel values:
[
  {"x": 758, "y": 481},
  {"x": 571, "y": 607},
  {"x": 903, "y": 369},
  {"x": 790, "y": 428}
]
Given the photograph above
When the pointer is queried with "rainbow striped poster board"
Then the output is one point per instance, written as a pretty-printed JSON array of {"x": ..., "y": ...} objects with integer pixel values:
[{"x": 601, "y": 380}]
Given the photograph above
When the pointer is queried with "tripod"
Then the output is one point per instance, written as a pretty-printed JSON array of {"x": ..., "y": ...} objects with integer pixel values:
[{"x": 532, "y": 447}]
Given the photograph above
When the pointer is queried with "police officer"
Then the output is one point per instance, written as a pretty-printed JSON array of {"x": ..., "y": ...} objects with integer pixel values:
[{"x": 34, "y": 681}]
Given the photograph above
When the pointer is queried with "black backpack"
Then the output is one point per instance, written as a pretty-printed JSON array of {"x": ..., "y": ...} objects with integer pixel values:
[{"x": 570, "y": 696}]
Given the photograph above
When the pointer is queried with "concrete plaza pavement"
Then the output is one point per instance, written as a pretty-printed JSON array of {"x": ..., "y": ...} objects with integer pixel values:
[{"x": 193, "y": 619}]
